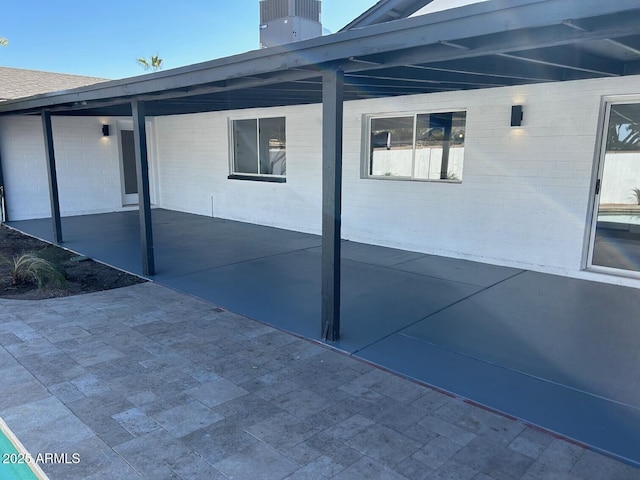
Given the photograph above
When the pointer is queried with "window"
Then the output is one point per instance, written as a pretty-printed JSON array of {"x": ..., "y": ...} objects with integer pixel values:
[
  {"x": 259, "y": 149},
  {"x": 423, "y": 146}
]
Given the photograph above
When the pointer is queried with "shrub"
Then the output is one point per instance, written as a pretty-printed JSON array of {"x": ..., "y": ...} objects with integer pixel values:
[{"x": 29, "y": 267}]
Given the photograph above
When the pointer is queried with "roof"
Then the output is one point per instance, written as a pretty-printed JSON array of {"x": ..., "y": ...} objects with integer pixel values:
[
  {"x": 385, "y": 11},
  {"x": 19, "y": 83},
  {"x": 482, "y": 45}
]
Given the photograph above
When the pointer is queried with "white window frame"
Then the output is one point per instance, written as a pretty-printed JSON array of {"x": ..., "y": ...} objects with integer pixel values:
[
  {"x": 265, "y": 177},
  {"x": 366, "y": 144}
]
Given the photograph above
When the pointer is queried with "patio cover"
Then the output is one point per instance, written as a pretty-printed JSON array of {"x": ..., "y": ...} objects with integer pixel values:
[{"x": 489, "y": 44}]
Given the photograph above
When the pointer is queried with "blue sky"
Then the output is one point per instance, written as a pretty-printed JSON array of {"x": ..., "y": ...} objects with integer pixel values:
[{"x": 103, "y": 39}]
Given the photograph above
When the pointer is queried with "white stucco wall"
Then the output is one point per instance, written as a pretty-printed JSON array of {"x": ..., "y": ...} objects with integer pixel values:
[{"x": 524, "y": 200}]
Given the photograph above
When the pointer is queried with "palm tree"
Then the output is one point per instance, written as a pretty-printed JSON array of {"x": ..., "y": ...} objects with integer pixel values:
[
  {"x": 154, "y": 63},
  {"x": 3, "y": 42},
  {"x": 624, "y": 130}
]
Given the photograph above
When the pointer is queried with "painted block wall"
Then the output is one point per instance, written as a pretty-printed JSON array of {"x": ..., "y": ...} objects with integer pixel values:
[
  {"x": 87, "y": 167},
  {"x": 24, "y": 167},
  {"x": 524, "y": 200},
  {"x": 193, "y": 166},
  {"x": 525, "y": 197}
]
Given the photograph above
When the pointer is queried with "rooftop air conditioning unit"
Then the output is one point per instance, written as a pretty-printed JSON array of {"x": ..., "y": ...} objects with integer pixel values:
[{"x": 287, "y": 21}]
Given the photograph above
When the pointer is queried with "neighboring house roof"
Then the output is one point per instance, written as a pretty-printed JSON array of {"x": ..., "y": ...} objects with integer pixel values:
[
  {"x": 385, "y": 11},
  {"x": 20, "y": 83}
]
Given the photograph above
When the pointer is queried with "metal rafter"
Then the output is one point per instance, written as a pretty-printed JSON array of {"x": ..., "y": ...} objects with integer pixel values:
[
  {"x": 495, "y": 66},
  {"x": 611, "y": 41},
  {"x": 569, "y": 59},
  {"x": 424, "y": 76}
]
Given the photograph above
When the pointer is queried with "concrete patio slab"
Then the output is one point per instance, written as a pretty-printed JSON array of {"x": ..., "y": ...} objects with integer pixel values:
[
  {"x": 577, "y": 335},
  {"x": 554, "y": 351},
  {"x": 284, "y": 290}
]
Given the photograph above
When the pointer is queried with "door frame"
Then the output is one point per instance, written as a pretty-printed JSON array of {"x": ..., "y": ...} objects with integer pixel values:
[
  {"x": 132, "y": 199},
  {"x": 594, "y": 192}
]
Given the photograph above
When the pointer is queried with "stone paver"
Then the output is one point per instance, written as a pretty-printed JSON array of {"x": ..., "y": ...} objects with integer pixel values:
[{"x": 145, "y": 382}]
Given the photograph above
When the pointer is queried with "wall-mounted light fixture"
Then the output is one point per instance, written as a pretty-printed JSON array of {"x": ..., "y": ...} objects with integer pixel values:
[
  {"x": 516, "y": 115},
  {"x": 105, "y": 130}
]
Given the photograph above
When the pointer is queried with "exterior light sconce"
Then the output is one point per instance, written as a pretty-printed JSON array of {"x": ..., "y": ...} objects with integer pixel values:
[
  {"x": 105, "y": 130},
  {"x": 516, "y": 116}
]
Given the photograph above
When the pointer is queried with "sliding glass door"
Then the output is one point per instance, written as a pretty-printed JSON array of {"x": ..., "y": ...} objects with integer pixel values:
[{"x": 615, "y": 240}]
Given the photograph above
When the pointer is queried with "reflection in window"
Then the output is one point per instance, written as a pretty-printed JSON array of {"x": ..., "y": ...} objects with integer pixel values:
[
  {"x": 624, "y": 129},
  {"x": 427, "y": 146}
]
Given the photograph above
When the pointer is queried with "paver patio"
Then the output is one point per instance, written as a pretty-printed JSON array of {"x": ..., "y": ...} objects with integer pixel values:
[
  {"x": 146, "y": 382},
  {"x": 557, "y": 352}
]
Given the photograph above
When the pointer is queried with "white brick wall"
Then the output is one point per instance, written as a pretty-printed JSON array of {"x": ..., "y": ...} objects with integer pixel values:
[
  {"x": 87, "y": 166},
  {"x": 524, "y": 196},
  {"x": 24, "y": 167},
  {"x": 524, "y": 199},
  {"x": 201, "y": 142}
]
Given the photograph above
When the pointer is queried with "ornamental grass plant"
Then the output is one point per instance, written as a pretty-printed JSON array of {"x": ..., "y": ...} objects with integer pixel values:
[{"x": 31, "y": 268}]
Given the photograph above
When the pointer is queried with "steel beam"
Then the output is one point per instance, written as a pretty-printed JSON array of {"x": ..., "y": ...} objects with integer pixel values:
[
  {"x": 54, "y": 200},
  {"x": 144, "y": 200},
  {"x": 332, "y": 118}
]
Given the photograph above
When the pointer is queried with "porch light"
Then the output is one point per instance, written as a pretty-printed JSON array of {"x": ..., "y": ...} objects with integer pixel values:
[
  {"x": 105, "y": 130},
  {"x": 516, "y": 115}
]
